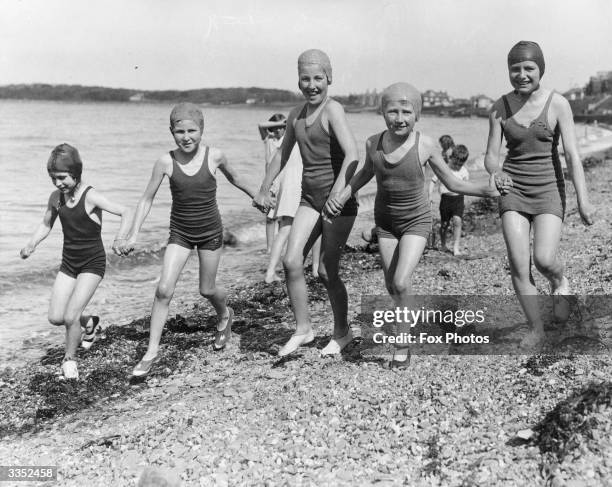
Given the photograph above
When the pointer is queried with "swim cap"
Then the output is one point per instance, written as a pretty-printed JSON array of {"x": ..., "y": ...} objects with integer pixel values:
[
  {"x": 403, "y": 93},
  {"x": 527, "y": 51},
  {"x": 186, "y": 111},
  {"x": 65, "y": 158},
  {"x": 315, "y": 56}
]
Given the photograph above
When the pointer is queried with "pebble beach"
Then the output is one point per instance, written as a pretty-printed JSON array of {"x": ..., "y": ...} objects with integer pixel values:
[{"x": 244, "y": 417}]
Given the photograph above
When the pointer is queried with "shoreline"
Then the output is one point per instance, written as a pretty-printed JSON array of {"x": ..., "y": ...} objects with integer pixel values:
[{"x": 243, "y": 416}]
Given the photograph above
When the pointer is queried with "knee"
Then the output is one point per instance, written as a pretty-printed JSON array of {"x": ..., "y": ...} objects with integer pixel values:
[
  {"x": 55, "y": 319},
  {"x": 402, "y": 286},
  {"x": 164, "y": 292},
  {"x": 292, "y": 265},
  {"x": 70, "y": 317},
  {"x": 545, "y": 261}
]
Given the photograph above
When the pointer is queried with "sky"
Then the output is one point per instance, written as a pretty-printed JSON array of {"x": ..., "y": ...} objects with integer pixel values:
[{"x": 459, "y": 46}]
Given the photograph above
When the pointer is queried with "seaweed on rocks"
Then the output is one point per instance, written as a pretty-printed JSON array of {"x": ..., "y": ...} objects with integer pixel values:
[{"x": 573, "y": 420}]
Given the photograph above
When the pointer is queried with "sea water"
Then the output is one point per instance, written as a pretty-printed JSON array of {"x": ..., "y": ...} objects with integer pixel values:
[{"x": 119, "y": 143}]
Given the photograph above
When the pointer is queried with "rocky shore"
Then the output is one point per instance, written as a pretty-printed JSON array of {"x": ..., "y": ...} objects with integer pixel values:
[{"x": 244, "y": 417}]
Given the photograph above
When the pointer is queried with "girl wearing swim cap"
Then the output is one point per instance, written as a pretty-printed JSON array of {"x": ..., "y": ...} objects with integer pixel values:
[
  {"x": 79, "y": 208},
  {"x": 532, "y": 119},
  {"x": 402, "y": 213},
  {"x": 329, "y": 158},
  {"x": 195, "y": 222}
]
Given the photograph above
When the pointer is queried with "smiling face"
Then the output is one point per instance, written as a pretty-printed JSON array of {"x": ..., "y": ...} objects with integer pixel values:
[
  {"x": 187, "y": 135},
  {"x": 524, "y": 77},
  {"x": 64, "y": 181},
  {"x": 400, "y": 117},
  {"x": 312, "y": 81}
]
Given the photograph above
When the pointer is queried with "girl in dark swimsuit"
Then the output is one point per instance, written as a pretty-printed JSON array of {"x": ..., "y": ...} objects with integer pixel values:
[
  {"x": 329, "y": 157},
  {"x": 79, "y": 208},
  {"x": 532, "y": 119},
  {"x": 194, "y": 222},
  {"x": 402, "y": 211}
]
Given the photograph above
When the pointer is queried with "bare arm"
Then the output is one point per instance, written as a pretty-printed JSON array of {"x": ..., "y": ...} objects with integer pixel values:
[
  {"x": 565, "y": 121},
  {"x": 261, "y": 199},
  {"x": 230, "y": 172},
  {"x": 97, "y": 199},
  {"x": 160, "y": 169},
  {"x": 362, "y": 176},
  {"x": 44, "y": 228},
  {"x": 492, "y": 161}
]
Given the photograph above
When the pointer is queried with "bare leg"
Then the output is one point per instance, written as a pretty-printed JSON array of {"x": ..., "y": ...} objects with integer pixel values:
[
  {"x": 399, "y": 262},
  {"x": 334, "y": 237},
  {"x": 316, "y": 257},
  {"x": 305, "y": 230},
  {"x": 456, "y": 235},
  {"x": 444, "y": 224},
  {"x": 84, "y": 288},
  {"x": 516, "y": 229},
  {"x": 209, "y": 264},
  {"x": 270, "y": 229},
  {"x": 546, "y": 237},
  {"x": 277, "y": 248},
  {"x": 175, "y": 259}
]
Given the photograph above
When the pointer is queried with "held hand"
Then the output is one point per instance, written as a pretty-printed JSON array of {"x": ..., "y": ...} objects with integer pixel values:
[
  {"x": 503, "y": 182},
  {"x": 126, "y": 246},
  {"x": 333, "y": 206},
  {"x": 25, "y": 252},
  {"x": 259, "y": 202},
  {"x": 587, "y": 213},
  {"x": 491, "y": 190},
  {"x": 118, "y": 245},
  {"x": 335, "y": 203},
  {"x": 264, "y": 202}
]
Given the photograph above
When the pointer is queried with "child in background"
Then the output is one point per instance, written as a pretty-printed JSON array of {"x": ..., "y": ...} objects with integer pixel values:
[
  {"x": 194, "y": 222},
  {"x": 452, "y": 204},
  {"x": 287, "y": 193},
  {"x": 447, "y": 143},
  {"x": 79, "y": 208},
  {"x": 271, "y": 133},
  {"x": 402, "y": 212}
]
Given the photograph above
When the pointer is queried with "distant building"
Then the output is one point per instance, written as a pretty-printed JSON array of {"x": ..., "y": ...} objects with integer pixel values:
[
  {"x": 433, "y": 98},
  {"x": 574, "y": 94},
  {"x": 137, "y": 97},
  {"x": 600, "y": 83},
  {"x": 251, "y": 101},
  {"x": 481, "y": 102}
]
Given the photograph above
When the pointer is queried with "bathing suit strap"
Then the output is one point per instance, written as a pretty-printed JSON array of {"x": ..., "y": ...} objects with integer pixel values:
[{"x": 507, "y": 107}]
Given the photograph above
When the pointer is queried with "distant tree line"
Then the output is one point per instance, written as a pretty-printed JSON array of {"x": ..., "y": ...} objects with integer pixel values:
[{"x": 100, "y": 94}]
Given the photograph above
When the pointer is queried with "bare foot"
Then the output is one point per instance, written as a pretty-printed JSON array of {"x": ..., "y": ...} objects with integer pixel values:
[
  {"x": 533, "y": 340},
  {"x": 457, "y": 252},
  {"x": 270, "y": 278}
]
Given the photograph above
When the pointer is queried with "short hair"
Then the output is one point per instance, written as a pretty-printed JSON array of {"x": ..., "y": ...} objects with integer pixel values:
[
  {"x": 460, "y": 153},
  {"x": 65, "y": 158},
  {"x": 446, "y": 141}
]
